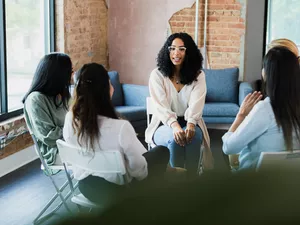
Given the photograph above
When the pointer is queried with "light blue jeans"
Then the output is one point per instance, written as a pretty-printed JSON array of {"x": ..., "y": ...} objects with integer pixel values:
[{"x": 179, "y": 156}]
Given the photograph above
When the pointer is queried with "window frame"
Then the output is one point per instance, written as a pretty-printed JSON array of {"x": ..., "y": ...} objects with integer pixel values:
[
  {"x": 266, "y": 19},
  {"x": 4, "y": 114}
]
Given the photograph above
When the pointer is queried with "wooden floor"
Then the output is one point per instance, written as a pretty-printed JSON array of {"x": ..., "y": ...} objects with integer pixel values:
[{"x": 24, "y": 192}]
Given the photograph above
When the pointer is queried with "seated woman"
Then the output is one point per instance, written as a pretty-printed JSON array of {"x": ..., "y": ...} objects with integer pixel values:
[
  {"x": 178, "y": 90},
  {"x": 280, "y": 42},
  {"x": 93, "y": 124},
  {"x": 46, "y": 102},
  {"x": 272, "y": 124}
]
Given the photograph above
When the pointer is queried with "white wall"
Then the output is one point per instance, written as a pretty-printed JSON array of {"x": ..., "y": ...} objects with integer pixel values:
[
  {"x": 16, "y": 160},
  {"x": 254, "y": 39}
]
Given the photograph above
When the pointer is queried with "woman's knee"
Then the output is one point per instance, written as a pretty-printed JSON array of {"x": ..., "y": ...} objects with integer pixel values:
[{"x": 198, "y": 135}]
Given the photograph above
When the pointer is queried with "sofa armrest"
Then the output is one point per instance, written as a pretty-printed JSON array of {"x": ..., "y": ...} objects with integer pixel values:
[
  {"x": 244, "y": 89},
  {"x": 135, "y": 95}
]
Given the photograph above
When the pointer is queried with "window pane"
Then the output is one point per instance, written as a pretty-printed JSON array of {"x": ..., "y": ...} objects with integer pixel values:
[
  {"x": 283, "y": 20},
  {"x": 26, "y": 42}
]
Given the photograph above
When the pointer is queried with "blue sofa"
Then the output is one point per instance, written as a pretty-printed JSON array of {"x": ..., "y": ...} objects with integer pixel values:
[
  {"x": 130, "y": 101},
  {"x": 224, "y": 97}
]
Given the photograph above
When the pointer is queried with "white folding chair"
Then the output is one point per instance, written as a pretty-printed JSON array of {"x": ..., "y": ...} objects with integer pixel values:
[
  {"x": 100, "y": 162},
  {"x": 282, "y": 160},
  {"x": 150, "y": 111},
  {"x": 58, "y": 165}
]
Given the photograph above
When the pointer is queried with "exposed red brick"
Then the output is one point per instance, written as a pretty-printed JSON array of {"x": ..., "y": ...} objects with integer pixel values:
[{"x": 225, "y": 30}]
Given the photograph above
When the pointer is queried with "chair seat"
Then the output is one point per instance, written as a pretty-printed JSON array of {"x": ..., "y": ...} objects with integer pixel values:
[
  {"x": 132, "y": 113},
  {"x": 83, "y": 201},
  {"x": 58, "y": 165}
]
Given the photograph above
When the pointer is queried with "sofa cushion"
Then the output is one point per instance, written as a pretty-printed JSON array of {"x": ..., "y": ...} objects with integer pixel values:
[
  {"x": 222, "y": 85},
  {"x": 117, "y": 98},
  {"x": 220, "y": 109},
  {"x": 132, "y": 113},
  {"x": 218, "y": 120},
  {"x": 135, "y": 95}
]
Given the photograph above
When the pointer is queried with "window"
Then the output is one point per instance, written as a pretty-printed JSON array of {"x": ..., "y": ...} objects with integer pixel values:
[
  {"x": 26, "y": 35},
  {"x": 283, "y": 20}
]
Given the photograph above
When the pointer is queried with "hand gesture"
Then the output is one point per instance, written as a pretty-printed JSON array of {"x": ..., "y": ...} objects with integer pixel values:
[
  {"x": 179, "y": 134},
  {"x": 190, "y": 132},
  {"x": 249, "y": 102}
]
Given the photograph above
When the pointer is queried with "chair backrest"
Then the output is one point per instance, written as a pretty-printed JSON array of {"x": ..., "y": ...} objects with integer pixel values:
[
  {"x": 150, "y": 111},
  {"x": 280, "y": 160},
  {"x": 36, "y": 146},
  {"x": 97, "y": 162},
  {"x": 150, "y": 106}
]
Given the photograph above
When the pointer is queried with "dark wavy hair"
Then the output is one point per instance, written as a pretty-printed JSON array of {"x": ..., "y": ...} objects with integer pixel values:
[
  {"x": 192, "y": 64},
  {"x": 52, "y": 78},
  {"x": 282, "y": 85},
  {"x": 92, "y": 98}
]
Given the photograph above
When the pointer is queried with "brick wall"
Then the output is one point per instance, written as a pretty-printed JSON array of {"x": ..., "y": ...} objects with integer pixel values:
[
  {"x": 225, "y": 30},
  {"x": 81, "y": 28},
  {"x": 14, "y": 136}
]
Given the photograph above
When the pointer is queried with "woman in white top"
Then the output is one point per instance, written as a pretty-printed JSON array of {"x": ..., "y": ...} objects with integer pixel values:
[
  {"x": 274, "y": 123},
  {"x": 93, "y": 124},
  {"x": 178, "y": 91}
]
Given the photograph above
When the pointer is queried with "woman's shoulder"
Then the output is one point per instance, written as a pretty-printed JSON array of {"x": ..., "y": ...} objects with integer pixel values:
[
  {"x": 200, "y": 75},
  {"x": 263, "y": 109},
  {"x": 156, "y": 73},
  {"x": 113, "y": 122},
  {"x": 69, "y": 115},
  {"x": 36, "y": 98}
]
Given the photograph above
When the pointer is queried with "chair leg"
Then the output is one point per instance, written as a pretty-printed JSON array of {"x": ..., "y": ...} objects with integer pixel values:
[
  {"x": 200, "y": 164},
  {"x": 58, "y": 193},
  {"x": 184, "y": 159},
  {"x": 40, "y": 219}
]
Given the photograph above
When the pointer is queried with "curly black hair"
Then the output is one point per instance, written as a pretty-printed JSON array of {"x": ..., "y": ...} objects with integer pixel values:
[{"x": 192, "y": 64}]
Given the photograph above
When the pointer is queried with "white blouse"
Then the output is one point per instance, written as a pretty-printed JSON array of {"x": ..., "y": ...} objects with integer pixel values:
[
  {"x": 179, "y": 100},
  {"x": 114, "y": 135}
]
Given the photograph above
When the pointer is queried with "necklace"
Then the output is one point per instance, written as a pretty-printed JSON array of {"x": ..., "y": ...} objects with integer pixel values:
[{"x": 176, "y": 80}]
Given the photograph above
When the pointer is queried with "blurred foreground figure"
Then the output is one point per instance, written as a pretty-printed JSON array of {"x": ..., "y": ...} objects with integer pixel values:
[{"x": 243, "y": 198}]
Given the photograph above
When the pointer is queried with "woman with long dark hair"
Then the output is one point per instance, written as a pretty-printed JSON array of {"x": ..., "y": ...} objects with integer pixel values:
[
  {"x": 46, "y": 102},
  {"x": 272, "y": 124},
  {"x": 93, "y": 124},
  {"x": 178, "y": 90}
]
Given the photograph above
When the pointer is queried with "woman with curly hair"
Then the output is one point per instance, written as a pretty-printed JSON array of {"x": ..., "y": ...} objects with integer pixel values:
[{"x": 178, "y": 89}]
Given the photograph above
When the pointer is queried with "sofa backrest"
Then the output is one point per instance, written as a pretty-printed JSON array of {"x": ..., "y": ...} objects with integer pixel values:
[
  {"x": 117, "y": 98},
  {"x": 222, "y": 85}
]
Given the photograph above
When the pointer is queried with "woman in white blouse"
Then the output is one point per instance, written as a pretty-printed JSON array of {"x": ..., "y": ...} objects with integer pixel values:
[
  {"x": 272, "y": 124},
  {"x": 93, "y": 124},
  {"x": 178, "y": 89}
]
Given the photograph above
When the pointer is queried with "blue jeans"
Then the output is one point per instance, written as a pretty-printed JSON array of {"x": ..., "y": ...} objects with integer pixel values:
[{"x": 179, "y": 156}]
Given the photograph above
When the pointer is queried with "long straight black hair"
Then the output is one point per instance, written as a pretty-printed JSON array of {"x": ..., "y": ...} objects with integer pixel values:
[
  {"x": 92, "y": 98},
  {"x": 282, "y": 86},
  {"x": 52, "y": 78}
]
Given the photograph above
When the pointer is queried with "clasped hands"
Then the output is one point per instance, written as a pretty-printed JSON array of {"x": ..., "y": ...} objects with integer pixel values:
[{"x": 182, "y": 137}]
